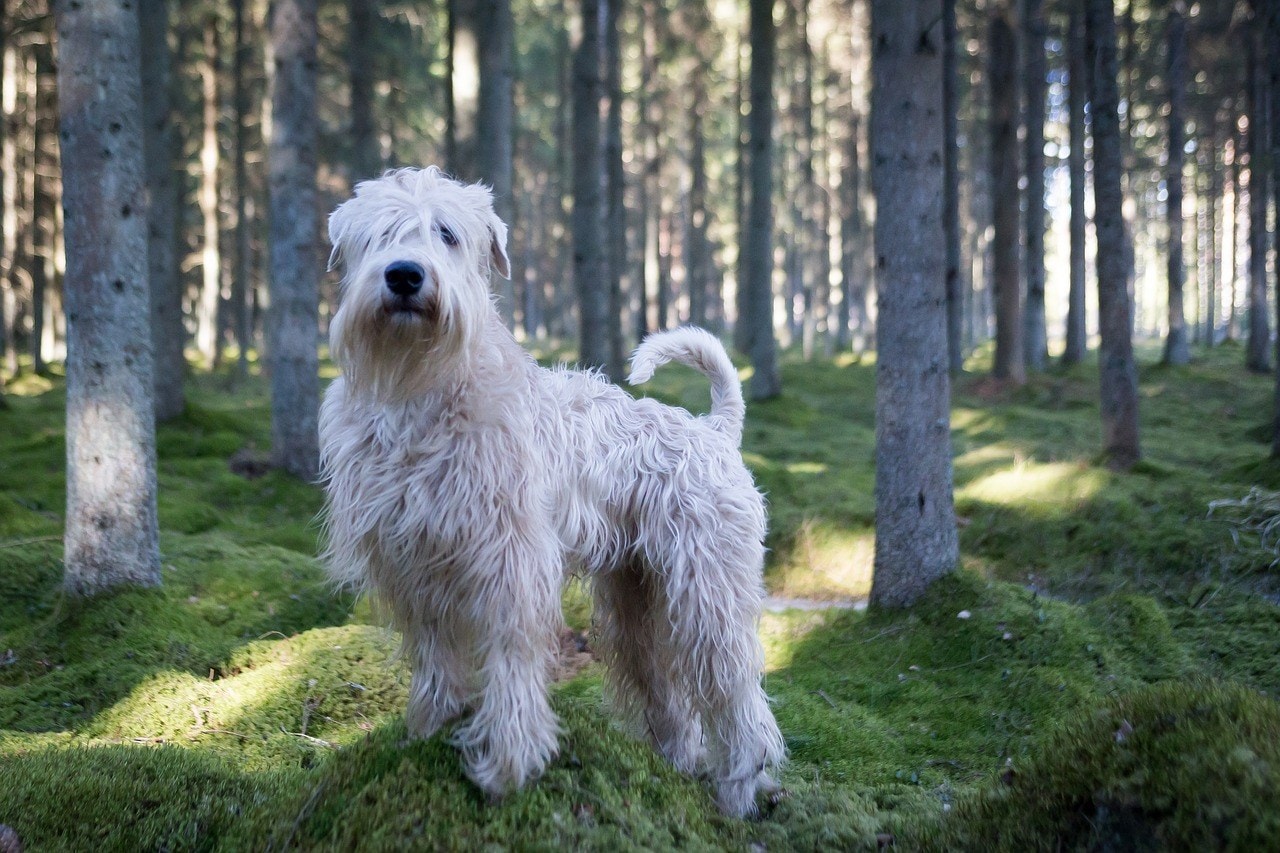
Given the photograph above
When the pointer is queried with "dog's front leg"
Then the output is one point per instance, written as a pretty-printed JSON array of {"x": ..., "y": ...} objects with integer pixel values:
[{"x": 512, "y": 734}]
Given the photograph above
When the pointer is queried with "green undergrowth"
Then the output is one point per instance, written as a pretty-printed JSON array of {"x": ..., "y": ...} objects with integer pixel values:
[{"x": 1100, "y": 675}]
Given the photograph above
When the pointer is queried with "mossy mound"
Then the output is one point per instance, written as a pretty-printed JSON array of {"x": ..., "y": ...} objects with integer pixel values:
[
  {"x": 1173, "y": 766},
  {"x": 68, "y": 796}
]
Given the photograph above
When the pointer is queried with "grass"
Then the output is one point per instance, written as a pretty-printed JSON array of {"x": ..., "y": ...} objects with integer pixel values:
[{"x": 1100, "y": 674}]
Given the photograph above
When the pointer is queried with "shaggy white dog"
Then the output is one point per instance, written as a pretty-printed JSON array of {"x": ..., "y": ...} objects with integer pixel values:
[{"x": 465, "y": 482}]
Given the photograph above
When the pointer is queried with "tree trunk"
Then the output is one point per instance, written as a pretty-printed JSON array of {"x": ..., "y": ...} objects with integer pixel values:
[
  {"x": 916, "y": 539},
  {"x": 589, "y": 262},
  {"x": 951, "y": 189},
  {"x": 44, "y": 203},
  {"x": 110, "y": 536},
  {"x": 1035, "y": 341},
  {"x": 168, "y": 335},
  {"x": 1176, "y": 347},
  {"x": 1077, "y": 95},
  {"x": 292, "y": 322},
  {"x": 1003, "y": 80},
  {"x": 462, "y": 94},
  {"x": 241, "y": 287},
  {"x": 1258, "y": 348},
  {"x": 1118, "y": 372},
  {"x": 495, "y": 127},
  {"x": 766, "y": 381},
  {"x": 207, "y": 337},
  {"x": 1273, "y": 81},
  {"x": 615, "y": 211},
  {"x": 366, "y": 158}
]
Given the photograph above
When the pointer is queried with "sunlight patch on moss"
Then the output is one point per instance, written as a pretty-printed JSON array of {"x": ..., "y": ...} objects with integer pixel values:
[
  {"x": 1054, "y": 483},
  {"x": 825, "y": 561}
]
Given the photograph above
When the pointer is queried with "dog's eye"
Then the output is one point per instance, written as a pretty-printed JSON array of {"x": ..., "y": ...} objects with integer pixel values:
[{"x": 448, "y": 236}]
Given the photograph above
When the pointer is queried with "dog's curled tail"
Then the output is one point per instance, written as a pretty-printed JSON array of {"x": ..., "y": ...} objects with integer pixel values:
[{"x": 702, "y": 351}]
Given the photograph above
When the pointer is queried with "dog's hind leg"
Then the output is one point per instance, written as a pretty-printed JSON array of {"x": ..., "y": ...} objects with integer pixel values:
[
  {"x": 633, "y": 636},
  {"x": 512, "y": 734},
  {"x": 714, "y": 599}
]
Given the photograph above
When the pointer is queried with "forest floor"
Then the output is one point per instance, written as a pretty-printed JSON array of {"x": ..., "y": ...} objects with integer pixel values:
[{"x": 1102, "y": 673}]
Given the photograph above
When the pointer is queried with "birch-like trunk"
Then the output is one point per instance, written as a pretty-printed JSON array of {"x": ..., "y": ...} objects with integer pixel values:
[{"x": 110, "y": 535}]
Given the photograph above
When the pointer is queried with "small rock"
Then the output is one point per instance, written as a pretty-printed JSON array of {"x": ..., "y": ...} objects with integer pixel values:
[
  {"x": 963, "y": 614},
  {"x": 1006, "y": 636},
  {"x": 1122, "y": 734},
  {"x": 9, "y": 840}
]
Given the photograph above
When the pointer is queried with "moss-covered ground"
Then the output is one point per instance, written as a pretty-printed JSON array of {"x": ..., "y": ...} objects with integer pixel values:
[{"x": 1102, "y": 673}]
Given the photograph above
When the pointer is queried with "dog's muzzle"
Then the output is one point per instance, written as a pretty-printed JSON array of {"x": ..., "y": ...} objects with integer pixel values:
[{"x": 404, "y": 294}]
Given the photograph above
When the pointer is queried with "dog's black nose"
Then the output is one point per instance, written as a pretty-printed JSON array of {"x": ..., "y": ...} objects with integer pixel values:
[{"x": 404, "y": 278}]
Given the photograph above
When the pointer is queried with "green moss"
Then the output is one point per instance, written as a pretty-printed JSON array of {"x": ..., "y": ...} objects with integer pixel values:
[
  {"x": 244, "y": 705},
  {"x": 1178, "y": 765},
  {"x": 64, "y": 796}
]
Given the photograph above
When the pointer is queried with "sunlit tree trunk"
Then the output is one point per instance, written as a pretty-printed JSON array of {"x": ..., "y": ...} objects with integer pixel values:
[
  {"x": 207, "y": 330},
  {"x": 44, "y": 203},
  {"x": 1258, "y": 346},
  {"x": 495, "y": 126},
  {"x": 1003, "y": 80},
  {"x": 1117, "y": 371},
  {"x": 292, "y": 321},
  {"x": 1077, "y": 95},
  {"x": 1035, "y": 342},
  {"x": 1176, "y": 347},
  {"x": 589, "y": 259},
  {"x": 762, "y": 349},
  {"x": 110, "y": 536},
  {"x": 916, "y": 539},
  {"x": 462, "y": 92}
]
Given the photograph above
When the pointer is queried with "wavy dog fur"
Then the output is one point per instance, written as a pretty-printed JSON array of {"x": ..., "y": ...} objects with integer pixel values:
[{"x": 464, "y": 482}]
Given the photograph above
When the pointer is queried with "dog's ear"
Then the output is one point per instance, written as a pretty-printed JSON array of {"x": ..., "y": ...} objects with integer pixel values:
[
  {"x": 498, "y": 246},
  {"x": 338, "y": 225}
]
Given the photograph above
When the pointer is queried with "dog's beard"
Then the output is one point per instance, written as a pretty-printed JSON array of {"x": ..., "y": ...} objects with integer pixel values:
[{"x": 393, "y": 348}]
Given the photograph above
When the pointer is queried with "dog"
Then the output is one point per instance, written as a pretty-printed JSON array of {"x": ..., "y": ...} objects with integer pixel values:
[{"x": 465, "y": 483}]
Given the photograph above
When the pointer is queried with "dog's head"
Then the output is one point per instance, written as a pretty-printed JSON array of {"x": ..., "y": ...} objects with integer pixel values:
[{"x": 416, "y": 248}]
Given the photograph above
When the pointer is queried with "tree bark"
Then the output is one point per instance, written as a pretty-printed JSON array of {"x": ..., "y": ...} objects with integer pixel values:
[
  {"x": 362, "y": 17},
  {"x": 1003, "y": 80},
  {"x": 1176, "y": 346},
  {"x": 766, "y": 381},
  {"x": 1077, "y": 337},
  {"x": 168, "y": 336},
  {"x": 292, "y": 322},
  {"x": 951, "y": 189},
  {"x": 916, "y": 540},
  {"x": 462, "y": 94},
  {"x": 1118, "y": 373},
  {"x": 1273, "y": 80},
  {"x": 1035, "y": 339},
  {"x": 207, "y": 331},
  {"x": 589, "y": 262},
  {"x": 615, "y": 211},
  {"x": 110, "y": 536},
  {"x": 1258, "y": 346},
  {"x": 495, "y": 127},
  {"x": 241, "y": 286}
]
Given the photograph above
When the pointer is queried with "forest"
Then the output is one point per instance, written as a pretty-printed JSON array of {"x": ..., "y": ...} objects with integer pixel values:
[{"x": 999, "y": 278}]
